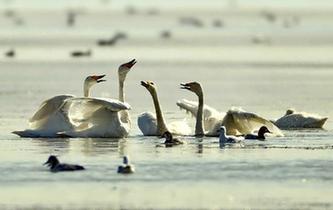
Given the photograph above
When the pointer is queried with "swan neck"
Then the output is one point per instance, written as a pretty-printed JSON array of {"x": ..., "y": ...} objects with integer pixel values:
[
  {"x": 199, "y": 131},
  {"x": 121, "y": 90},
  {"x": 86, "y": 90},
  {"x": 161, "y": 126}
]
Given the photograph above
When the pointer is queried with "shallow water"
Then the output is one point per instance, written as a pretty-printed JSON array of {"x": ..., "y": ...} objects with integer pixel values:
[{"x": 292, "y": 69}]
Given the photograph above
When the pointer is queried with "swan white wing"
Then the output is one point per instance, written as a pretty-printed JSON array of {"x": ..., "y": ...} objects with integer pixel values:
[
  {"x": 192, "y": 107},
  {"x": 47, "y": 109},
  {"x": 80, "y": 110},
  {"x": 211, "y": 117},
  {"x": 147, "y": 123},
  {"x": 240, "y": 122}
]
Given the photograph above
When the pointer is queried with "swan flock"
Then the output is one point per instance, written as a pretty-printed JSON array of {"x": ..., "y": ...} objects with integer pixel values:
[{"x": 71, "y": 116}]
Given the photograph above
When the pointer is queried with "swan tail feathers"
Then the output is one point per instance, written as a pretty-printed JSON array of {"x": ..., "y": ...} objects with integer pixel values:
[{"x": 317, "y": 123}]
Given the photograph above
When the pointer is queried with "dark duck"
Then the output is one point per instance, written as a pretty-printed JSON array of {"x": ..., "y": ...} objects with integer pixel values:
[
  {"x": 170, "y": 141},
  {"x": 56, "y": 166},
  {"x": 261, "y": 134},
  {"x": 126, "y": 168}
]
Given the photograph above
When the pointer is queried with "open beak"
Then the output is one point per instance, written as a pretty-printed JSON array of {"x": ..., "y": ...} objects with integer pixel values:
[
  {"x": 144, "y": 84},
  {"x": 46, "y": 163},
  {"x": 98, "y": 78},
  {"x": 130, "y": 64},
  {"x": 184, "y": 86}
]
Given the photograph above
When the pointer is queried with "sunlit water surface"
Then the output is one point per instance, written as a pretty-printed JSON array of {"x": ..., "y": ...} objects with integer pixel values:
[{"x": 292, "y": 69}]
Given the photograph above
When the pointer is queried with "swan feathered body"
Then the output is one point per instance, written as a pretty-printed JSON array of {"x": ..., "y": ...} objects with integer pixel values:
[
  {"x": 237, "y": 121},
  {"x": 299, "y": 120}
]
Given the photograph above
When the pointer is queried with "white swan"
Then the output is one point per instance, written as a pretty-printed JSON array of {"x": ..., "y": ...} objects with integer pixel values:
[
  {"x": 50, "y": 118},
  {"x": 195, "y": 87},
  {"x": 154, "y": 125},
  {"x": 236, "y": 120},
  {"x": 298, "y": 120},
  {"x": 103, "y": 120}
]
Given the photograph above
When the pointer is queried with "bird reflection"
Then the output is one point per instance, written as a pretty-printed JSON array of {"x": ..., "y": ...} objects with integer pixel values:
[{"x": 86, "y": 146}]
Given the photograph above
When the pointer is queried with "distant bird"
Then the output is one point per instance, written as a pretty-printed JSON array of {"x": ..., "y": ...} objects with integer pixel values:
[
  {"x": 18, "y": 21},
  {"x": 9, "y": 13},
  {"x": 261, "y": 39},
  {"x": 192, "y": 21},
  {"x": 10, "y": 53},
  {"x": 71, "y": 17},
  {"x": 126, "y": 168},
  {"x": 113, "y": 40},
  {"x": 78, "y": 53},
  {"x": 224, "y": 139},
  {"x": 269, "y": 16},
  {"x": 166, "y": 34},
  {"x": 152, "y": 11},
  {"x": 131, "y": 10},
  {"x": 56, "y": 166},
  {"x": 218, "y": 23},
  {"x": 261, "y": 134},
  {"x": 170, "y": 141}
]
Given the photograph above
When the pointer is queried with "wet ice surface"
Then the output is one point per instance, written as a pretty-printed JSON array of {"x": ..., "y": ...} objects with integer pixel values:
[{"x": 293, "y": 70}]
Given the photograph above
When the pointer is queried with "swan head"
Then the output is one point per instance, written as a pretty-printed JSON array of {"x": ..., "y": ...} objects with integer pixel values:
[
  {"x": 94, "y": 79},
  {"x": 125, "y": 68},
  {"x": 194, "y": 87},
  {"x": 52, "y": 161},
  {"x": 290, "y": 111},
  {"x": 149, "y": 85},
  {"x": 90, "y": 81}
]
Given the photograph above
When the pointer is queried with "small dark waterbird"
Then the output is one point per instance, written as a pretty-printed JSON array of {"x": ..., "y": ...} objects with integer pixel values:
[
  {"x": 10, "y": 53},
  {"x": 79, "y": 53},
  {"x": 126, "y": 168},
  {"x": 261, "y": 134},
  {"x": 56, "y": 166},
  {"x": 170, "y": 141}
]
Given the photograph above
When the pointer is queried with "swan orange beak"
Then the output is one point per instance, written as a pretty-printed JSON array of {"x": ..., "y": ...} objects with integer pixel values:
[{"x": 98, "y": 78}]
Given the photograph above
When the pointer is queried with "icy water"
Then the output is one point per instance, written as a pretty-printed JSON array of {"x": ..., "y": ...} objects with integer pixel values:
[{"x": 247, "y": 61}]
